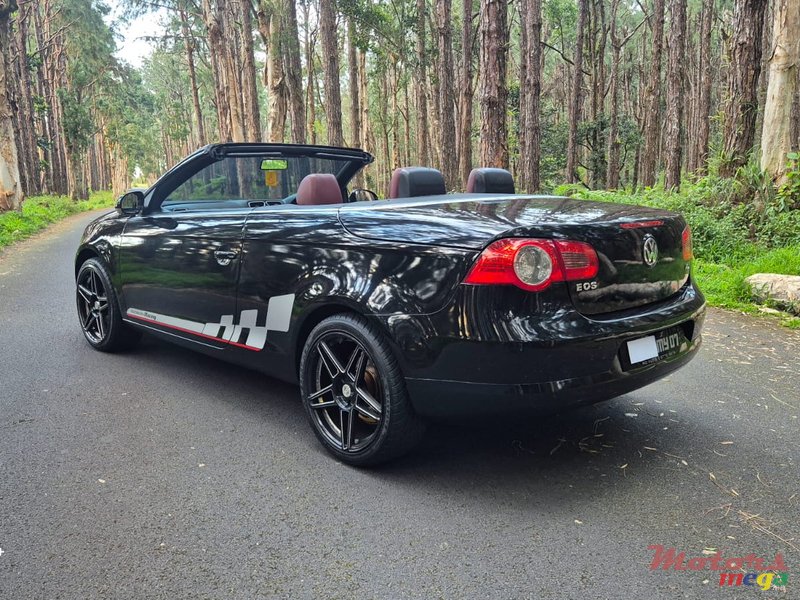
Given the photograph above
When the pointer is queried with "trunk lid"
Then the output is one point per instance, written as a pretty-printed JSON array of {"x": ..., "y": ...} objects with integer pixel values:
[{"x": 617, "y": 232}]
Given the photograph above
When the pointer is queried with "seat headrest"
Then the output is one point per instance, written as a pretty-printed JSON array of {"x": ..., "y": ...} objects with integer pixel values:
[
  {"x": 490, "y": 181},
  {"x": 319, "y": 188},
  {"x": 408, "y": 182}
]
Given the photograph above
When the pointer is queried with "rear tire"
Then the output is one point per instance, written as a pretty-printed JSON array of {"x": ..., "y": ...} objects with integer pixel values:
[
  {"x": 99, "y": 312},
  {"x": 354, "y": 393}
]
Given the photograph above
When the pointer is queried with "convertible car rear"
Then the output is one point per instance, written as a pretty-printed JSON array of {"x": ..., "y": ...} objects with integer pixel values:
[{"x": 390, "y": 311}]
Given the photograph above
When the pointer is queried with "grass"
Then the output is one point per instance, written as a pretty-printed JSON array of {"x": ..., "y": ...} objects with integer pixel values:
[
  {"x": 732, "y": 238},
  {"x": 38, "y": 212}
]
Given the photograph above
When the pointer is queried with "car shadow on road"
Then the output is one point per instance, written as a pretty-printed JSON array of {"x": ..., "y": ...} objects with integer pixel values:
[{"x": 628, "y": 440}]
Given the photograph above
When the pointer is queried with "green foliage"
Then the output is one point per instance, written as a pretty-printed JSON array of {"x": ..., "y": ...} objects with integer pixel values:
[
  {"x": 788, "y": 196},
  {"x": 40, "y": 211}
]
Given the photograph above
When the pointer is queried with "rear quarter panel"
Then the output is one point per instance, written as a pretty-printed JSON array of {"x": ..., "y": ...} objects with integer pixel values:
[{"x": 307, "y": 252}]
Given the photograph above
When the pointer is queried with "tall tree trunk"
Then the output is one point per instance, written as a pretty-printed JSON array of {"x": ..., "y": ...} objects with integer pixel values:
[
  {"x": 530, "y": 108},
  {"x": 745, "y": 67},
  {"x": 188, "y": 42},
  {"x": 675, "y": 94},
  {"x": 651, "y": 131},
  {"x": 29, "y": 158},
  {"x": 465, "y": 93},
  {"x": 613, "y": 165},
  {"x": 269, "y": 26},
  {"x": 421, "y": 76},
  {"x": 216, "y": 52},
  {"x": 776, "y": 139},
  {"x": 355, "y": 92},
  {"x": 703, "y": 125},
  {"x": 576, "y": 95},
  {"x": 493, "y": 93},
  {"x": 447, "y": 101},
  {"x": 294, "y": 74},
  {"x": 311, "y": 105},
  {"x": 330, "y": 53},
  {"x": 252, "y": 113},
  {"x": 10, "y": 186}
]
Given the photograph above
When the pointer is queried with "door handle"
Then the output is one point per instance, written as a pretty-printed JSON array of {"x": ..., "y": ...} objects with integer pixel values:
[{"x": 225, "y": 257}]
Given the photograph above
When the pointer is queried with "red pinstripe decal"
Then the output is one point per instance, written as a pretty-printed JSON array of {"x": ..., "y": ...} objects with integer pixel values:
[{"x": 202, "y": 335}]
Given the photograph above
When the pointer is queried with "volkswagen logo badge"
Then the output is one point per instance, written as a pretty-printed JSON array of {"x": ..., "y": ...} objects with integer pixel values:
[{"x": 649, "y": 250}]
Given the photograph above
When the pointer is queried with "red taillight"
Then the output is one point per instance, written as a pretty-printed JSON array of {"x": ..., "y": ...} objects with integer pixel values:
[
  {"x": 686, "y": 242},
  {"x": 533, "y": 264}
]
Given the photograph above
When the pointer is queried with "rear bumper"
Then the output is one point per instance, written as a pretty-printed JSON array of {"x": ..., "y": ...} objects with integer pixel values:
[
  {"x": 441, "y": 398},
  {"x": 544, "y": 361}
]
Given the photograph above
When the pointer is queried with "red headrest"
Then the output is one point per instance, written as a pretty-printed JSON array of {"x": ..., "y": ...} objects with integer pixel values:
[{"x": 319, "y": 188}]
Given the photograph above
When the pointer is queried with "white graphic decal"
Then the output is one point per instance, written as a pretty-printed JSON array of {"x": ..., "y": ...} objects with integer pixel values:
[{"x": 246, "y": 334}]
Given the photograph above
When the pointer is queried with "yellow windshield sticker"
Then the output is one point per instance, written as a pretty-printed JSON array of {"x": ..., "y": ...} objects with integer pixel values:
[
  {"x": 270, "y": 178},
  {"x": 274, "y": 164}
]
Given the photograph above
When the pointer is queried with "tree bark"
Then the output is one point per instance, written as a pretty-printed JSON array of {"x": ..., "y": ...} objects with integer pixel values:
[
  {"x": 613, "y": 165},
  {"x": 330, "y": 53},
  {"x": 294, "y": 74},
  {"x": 745, "y": 67},
  {"x": 11, "y": 196},
  {"x": 703, "y": 123},
  {"x": 447, "y": 103},
  {"x": 776, "y": 139},
  {"x": 651, "y": 132},
  {"x": 530, "y": 108},
  {"x": 493, "y": 93},
  {"x": 576, "y": 96},
  {"x": 466, "y": 93},
  {"x": 423, "y": 134},
  {"x": 189, "y": 48},
  {"x": 252, "y": 113},
  {"x": 355, "y": 91},
  {"x": 675, "y": 94}
]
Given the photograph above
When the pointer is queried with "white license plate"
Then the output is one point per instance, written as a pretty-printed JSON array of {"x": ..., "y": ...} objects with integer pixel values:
[{"x": 642, "y": 349}]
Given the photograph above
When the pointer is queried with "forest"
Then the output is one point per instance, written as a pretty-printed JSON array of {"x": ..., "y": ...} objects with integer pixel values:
[{"x": 599, "y": 94}]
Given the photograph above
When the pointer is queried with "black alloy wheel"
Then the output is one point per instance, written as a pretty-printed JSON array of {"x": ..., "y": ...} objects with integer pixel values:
[
  {"x": 354, "y": 394},
  {"x": 99, "y": 312}
]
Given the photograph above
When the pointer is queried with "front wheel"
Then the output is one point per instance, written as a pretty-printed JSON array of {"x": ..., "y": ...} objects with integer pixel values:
[
  {"x": 99, "y": 311},
  {"x": 354, "y": 393}
]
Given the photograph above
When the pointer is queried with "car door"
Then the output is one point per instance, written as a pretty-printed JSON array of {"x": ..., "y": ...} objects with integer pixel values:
[{"x": 180, "y": 260}]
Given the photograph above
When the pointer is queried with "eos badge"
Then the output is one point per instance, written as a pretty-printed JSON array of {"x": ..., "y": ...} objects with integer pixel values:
[{"x": 586, "y": 286}]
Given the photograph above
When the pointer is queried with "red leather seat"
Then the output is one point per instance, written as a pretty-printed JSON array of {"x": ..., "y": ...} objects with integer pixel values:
[{"x": 319, "y": 188}]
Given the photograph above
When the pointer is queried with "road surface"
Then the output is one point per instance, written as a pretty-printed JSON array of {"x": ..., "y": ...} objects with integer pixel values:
[{"x": 165, "y": 474}]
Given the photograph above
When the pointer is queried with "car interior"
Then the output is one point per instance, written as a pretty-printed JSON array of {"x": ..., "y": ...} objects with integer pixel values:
[{"x": 255, "y": 182}]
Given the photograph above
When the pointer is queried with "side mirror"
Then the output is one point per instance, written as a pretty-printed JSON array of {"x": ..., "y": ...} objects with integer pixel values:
[
  {"x": 362, "y": 195},
  {"x": 131, "y": 203}
]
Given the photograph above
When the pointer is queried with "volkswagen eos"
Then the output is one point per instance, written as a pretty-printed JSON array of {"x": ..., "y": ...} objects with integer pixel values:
[{"x": 390, "y": 312}]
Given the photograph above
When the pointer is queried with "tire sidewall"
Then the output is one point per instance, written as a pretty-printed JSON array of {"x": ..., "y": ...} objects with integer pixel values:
[
  {"x": 115, "y": 320},
  {"x": 383, "y": 360}
]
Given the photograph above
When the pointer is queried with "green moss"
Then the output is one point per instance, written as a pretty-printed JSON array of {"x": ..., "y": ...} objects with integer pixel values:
[{"x": 40, "y": 211}]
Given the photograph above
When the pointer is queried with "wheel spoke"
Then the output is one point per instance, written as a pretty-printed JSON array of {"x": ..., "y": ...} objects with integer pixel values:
[
  {"x": 356, "y": 358},
  {"x": 319, "y": 393},
  {"x": 100, "y": 326},
  {"x": 325, "y": 404},
  {"x": 373, "y": 404},
  {"x": 330, "y": 361},
  {"x": 367, "y": 412},
  {"x": 85, "y": 293},
  {"x": 346, "y": 437},
  {"x": 90, "y": 318}
]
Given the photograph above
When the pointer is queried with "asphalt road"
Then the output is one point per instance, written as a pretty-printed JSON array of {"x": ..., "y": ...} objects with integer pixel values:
[{"x": 165, "y": 474}]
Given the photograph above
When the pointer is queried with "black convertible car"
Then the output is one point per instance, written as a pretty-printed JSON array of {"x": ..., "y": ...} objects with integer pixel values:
[{"x": 390, "y": 311}]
